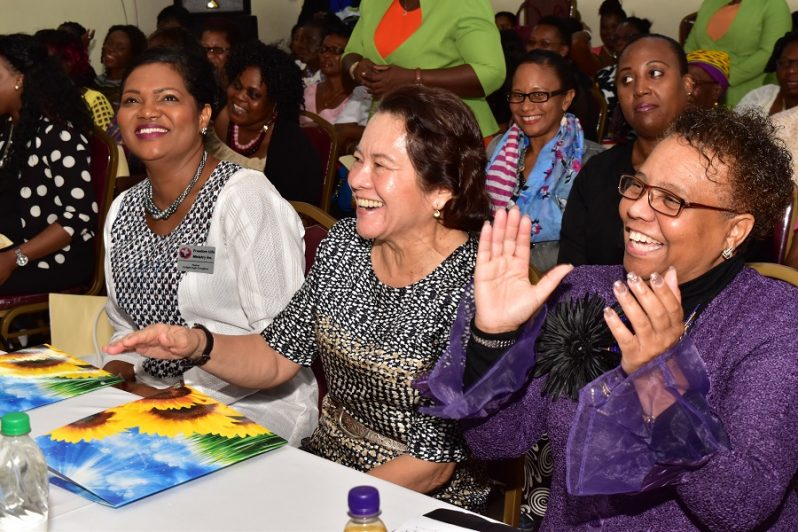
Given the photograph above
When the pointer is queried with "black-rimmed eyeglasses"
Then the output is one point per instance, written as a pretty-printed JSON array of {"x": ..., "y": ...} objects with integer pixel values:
[
  {"x": 216, "y": 50},
  {"x": 534, "y": 97},
  {"x": 661, "y": 200}
]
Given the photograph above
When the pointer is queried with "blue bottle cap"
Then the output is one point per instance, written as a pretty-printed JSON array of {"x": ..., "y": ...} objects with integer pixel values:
[{"x": 364, "y": 501}]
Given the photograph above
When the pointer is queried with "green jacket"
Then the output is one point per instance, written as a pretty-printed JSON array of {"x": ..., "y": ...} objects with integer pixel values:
[
  {"x": 749, "y": 40},
  {"x": 451, "y": 34}
]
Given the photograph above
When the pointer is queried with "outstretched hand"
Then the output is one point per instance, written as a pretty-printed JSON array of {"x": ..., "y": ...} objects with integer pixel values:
[
  {"x": 163, "y": 341},
  {"x": 655, "y": 316},
  {"x": 505, "y": 298}
]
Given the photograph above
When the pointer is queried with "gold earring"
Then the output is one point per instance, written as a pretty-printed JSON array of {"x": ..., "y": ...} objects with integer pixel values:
[
  {"x": 436, "y": 214},
  {"x": 16, "y": 87}
]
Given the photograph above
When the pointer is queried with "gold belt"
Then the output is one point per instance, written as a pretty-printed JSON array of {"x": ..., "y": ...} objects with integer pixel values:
[{"x": 357, "y": 430}]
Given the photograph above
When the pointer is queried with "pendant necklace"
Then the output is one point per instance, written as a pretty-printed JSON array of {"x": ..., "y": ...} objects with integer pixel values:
[{"x": 158, "y": 214}]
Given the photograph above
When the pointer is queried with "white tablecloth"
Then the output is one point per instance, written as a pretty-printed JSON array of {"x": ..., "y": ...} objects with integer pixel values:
[{"x": 284, "y": 490}]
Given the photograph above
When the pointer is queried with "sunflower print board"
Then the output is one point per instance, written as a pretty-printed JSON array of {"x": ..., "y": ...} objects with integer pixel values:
[
  {"x": 129, "y": 452},
  {"x": 42, "y": 375}
]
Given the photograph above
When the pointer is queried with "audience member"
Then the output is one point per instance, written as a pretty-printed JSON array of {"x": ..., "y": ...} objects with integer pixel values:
[
  {"x": 174, "y": 16},
  {"x": 747, "y": 31},
  {"x": 192, "y": 199},
  {"x": 618, "y": 129},
  {"x": 68, "y": 50},
  {"x": 553, "y": 34},
  {"x": 378, "y": 302},
  {"x": 218, "y": 37},
  {"x": 308, "y": 48},
  {"x": 78, "y": 30},
  {"x": 122, "y": 44},
  {"x": 49, "y": 211},
  {"x": 611, "y": 14},
  {"x": 653, "y": 89},
  {"x": 260, "y": 124},
  {"x": 534, "y": 164},
  {"x": 772, "y": 99},
  {"x": 452, "y": 45},
  {"x": 506, "y": 20},
  {"x": 710, "y": 71},
  {"x": 176, "y": 37},
  {"x": 679, "y": 423}
]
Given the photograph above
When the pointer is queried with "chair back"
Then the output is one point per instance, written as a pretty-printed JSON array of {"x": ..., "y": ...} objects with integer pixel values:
[
  {"x": 601, "y": 123},
  {"x": 321, "y": 135},
  {"x": 784, "y": 230},
  {"x": 776, "y": 271},
  {"x": 103, "y": 169},
  {"x": 686, "y": 26},
  {"x": 317, "y": 224}
]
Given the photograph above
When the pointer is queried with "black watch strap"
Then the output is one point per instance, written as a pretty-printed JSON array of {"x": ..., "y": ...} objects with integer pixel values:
[{"x": 206, "y": 353}]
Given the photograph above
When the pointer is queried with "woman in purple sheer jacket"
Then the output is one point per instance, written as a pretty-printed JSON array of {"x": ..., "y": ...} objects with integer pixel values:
[{"x": 668, "y": 385}]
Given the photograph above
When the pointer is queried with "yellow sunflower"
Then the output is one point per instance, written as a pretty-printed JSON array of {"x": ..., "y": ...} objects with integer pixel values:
[
  {"x": 194, "y": 419},
  {"x": 174, "y": 398},
  {"x": 94, "y": 427},
  {"x": 47, "y": 363}
]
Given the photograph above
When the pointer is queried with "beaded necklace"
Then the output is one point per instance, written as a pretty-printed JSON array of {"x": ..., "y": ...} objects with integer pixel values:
[{"x": 158, "y": 214}]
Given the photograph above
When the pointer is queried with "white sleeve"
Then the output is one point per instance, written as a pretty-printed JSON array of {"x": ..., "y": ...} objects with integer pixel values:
[{"x": 356, "y": 109}]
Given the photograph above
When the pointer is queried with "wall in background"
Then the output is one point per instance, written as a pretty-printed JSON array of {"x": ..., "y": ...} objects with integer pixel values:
[{"x": 275, "y": 17}]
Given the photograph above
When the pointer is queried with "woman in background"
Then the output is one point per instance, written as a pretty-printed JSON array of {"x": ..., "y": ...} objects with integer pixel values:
[
  {"x": 122, "y": 44},
  {"x": 452, "y": 45},
  {"x": 747, "y": 31},
  {"x": 259, "y": 126},
  {"x": 772, "y": 99},
  {"x": 653, "y": 90},
  {"x": 191, "y": 201},
  {"x": 48, "y": 209},
  {"x": 710, "y": 71},
  {"x": 534, "y": 164}
]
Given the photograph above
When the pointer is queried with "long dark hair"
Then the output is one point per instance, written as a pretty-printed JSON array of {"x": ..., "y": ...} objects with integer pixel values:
[
  {"x": 445, "y": 145},
  {"x": 46, "y": 92}
]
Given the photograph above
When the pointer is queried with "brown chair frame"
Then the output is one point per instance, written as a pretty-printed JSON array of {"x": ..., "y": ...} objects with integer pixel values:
[
  {"x": 776, "y": 271},
  {"x": 97, "y": 286},
  {"x": 328, "y": 185}
]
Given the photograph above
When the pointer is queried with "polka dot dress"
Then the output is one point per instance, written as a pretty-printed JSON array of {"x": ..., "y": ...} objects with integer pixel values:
[
  {"x": 54, "y": 186},
  {"x": 374, "y": 341}
]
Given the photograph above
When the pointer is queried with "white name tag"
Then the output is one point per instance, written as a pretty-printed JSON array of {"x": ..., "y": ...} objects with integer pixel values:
[{"x": 197, "y": 259}]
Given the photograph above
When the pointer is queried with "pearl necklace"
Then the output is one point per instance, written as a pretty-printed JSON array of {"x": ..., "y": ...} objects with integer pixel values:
[
  {"x": 158, "y": 214},
  {"x": 247, "y": 149}
]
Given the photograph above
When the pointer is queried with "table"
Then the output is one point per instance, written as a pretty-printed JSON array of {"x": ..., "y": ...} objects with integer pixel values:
[{"x": 304, "y": 492}]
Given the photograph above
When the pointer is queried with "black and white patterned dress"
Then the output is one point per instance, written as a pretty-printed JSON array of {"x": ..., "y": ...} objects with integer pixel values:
[
  {"x": 144, "y": 264},
  {"x": 374, "y": 341},
  {"x": 53, "y": 186}
]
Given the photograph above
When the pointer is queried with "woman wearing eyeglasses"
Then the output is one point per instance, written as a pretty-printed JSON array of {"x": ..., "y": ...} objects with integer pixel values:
[
  {"x": 668, "y": 384},
  {"x": 534, "y": 163},
  {"x": 654, "y": 88},
  {"x": 335, "y": 96},
  {"x": 772, "y": 99}
]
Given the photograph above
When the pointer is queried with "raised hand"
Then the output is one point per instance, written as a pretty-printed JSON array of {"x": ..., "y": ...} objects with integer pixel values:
[
  {"x": 504, "y": 297},
  {"x": 160, "y": 341},
  {"x": 655, "y": 316}
]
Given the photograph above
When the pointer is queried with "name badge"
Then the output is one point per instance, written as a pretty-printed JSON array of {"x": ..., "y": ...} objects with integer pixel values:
[{"x": 197, "y": 259}]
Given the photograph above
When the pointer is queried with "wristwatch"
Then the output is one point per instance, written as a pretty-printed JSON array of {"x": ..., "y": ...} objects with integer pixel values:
[{"x": 22, "y": 259}]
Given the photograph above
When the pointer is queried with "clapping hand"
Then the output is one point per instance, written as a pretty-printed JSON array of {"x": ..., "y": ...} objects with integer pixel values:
[
  {"x": 505, "y": 298},
  {"x": 654, "y": 313},
  {"x": 163, "y": 341}
]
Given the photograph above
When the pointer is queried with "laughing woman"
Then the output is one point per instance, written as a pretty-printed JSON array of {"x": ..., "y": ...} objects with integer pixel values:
[
  {"x": 378, "y": 302},
  {"x": 193, "y": 202},
  {"x": 669, "y": 399},
  {"x": 259, "y": 126}
]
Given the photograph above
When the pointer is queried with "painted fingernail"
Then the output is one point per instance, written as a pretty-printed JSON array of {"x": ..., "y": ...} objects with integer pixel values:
[
  {"x": 619, "y": 287},
  {"x": 608, "y": 312},
  {"x": 632, "y": 277},
  {"x": 656, "y": 280}
]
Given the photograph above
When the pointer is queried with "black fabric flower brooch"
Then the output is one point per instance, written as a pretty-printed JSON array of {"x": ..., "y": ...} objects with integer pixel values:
[{"x": 575, "y": 347}]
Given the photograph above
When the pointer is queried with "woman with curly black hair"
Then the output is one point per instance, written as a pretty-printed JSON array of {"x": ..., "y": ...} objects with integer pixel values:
[
  {"x": 49, "y": 213},
  {"x": 260, "y": 124}
]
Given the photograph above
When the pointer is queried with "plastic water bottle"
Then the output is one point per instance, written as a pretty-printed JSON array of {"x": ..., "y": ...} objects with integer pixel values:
[
  {"x": 364, "y": 510},
  {"x": 23, "y": 477}
]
